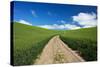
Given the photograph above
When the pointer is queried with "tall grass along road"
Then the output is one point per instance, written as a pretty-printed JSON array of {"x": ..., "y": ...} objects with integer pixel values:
[{"x": 57, "y": 52}]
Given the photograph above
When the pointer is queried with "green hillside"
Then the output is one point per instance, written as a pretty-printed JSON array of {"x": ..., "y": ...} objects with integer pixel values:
[
  {"x": 86, "y": 33},
  {"x": 82, "y": 40},
  {"x": 29, "y": 42}
]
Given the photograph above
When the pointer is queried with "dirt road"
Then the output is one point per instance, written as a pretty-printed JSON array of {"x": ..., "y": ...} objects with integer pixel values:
[{"x": 56, "y": 51}]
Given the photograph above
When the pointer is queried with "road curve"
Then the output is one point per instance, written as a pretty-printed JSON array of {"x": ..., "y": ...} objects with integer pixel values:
[{"x": 56, "y": 51}]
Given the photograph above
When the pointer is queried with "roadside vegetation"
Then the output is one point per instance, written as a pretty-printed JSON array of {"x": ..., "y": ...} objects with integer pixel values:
[
  {"x": 28, "y": 42},
  {"x": 84, "y": 41}
]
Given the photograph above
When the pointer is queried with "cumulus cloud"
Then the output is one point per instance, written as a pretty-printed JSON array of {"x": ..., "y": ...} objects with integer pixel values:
[
  {"x": 56, "y": 26},
  {"x": 72, "y": 26},
  {"x": 34, "y": 13},
  {"x": 85, "y": 19},
  {"x": 24, "y": 22}
]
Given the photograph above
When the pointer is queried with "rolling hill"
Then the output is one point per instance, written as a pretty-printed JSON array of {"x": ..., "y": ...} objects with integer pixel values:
[
  {"x": 84, "y": 41},
  {"x": 29, "y": 42}
]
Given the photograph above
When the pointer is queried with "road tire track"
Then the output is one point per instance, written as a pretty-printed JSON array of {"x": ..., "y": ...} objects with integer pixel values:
[{"x": 56, "y": 51}]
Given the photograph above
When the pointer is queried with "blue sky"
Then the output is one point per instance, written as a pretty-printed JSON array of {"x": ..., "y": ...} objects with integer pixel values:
[{"x": 55, "y": 16}]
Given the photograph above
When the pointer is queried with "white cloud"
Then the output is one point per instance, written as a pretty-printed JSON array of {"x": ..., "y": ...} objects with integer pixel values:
[
  {"x": 34, "y": 13},
  {"x": 63, "y": 22},
  {"x": 24, "y": 22},
  {"x": 86, "y": 19},
  {"x": 70, "y": 26},
  {"x": 56, "y": 26},
  {"x": 49, "y": 13}
]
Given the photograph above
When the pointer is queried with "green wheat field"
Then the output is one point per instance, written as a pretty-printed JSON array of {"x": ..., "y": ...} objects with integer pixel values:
[{"x": 29, "y": 42}]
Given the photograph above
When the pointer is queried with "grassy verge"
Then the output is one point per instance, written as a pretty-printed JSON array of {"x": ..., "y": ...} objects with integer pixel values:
[
  {"x": 84, "y": 41},
  {"x": 28, "y": 42},
  {"x": 87, "y": 48},
  {"x": 28, "y": 56}
]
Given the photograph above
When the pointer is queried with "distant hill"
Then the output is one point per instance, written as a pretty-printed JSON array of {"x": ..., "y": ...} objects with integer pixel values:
[{"x": 87, "y": 33}]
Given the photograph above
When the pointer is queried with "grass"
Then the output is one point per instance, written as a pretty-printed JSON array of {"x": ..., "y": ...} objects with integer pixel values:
[
  {"x": 84, "y": 41},
  {"x": 29, "y": 42}
]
